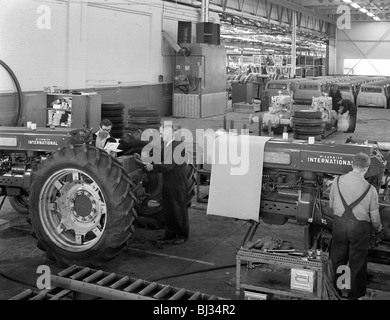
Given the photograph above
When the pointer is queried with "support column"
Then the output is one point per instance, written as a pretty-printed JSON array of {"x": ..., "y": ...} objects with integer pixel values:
[
  {"x": 293, "y": 44},
  {"x": 206, "y": 18}
]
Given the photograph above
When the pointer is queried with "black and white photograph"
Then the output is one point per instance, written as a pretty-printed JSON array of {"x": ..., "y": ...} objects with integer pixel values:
[{"x": 210, "y": 157}]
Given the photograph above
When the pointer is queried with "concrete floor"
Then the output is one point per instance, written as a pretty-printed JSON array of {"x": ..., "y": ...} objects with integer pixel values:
[{"x": 206, "y": 262}]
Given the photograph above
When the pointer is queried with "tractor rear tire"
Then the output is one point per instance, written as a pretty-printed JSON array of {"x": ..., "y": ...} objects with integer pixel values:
[
  {"x": 19, "y": 203},
  {"x": 82, "y": 206}
]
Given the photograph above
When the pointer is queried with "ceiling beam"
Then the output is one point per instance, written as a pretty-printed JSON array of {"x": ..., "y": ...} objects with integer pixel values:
[
  {"x": 353, "y": 11},
  {"x": 302, "y": 9},
  {"x": 316, "y": 3},
  {"x": 225, "y": 8}
]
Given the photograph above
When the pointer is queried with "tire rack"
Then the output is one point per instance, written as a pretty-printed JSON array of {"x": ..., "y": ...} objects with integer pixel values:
[{"x": 79, "y": 283}]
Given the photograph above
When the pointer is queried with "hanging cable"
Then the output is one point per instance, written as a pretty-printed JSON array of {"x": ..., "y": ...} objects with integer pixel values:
[
  {"x": 195, "y": 272},
  {"x": 19, "y": 110}
]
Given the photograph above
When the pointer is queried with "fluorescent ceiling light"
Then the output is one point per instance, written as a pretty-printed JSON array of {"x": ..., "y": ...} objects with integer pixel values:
[
  {"x": 370, "y": 14},
  {"x": 347, "y": 1},
  {"x": 364, "y": 10},
  {"x": 376, "y": 18},
  {"x": 355, "y": 5}
]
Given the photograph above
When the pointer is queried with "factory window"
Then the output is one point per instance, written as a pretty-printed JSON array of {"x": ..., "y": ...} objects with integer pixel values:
[
  {"x": 277, "y": 86},
  {"x": 308, "y": 86},
  {"x": 372, "y": 89},
  {"x": 369, "y": 67}
]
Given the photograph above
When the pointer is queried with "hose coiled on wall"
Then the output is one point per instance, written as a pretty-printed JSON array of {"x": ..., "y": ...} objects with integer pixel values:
[{"x": 13, "y": 76}]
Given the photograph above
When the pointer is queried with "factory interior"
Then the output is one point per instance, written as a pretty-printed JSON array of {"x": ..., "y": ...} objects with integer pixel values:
[{"x": 195, "y": 150}]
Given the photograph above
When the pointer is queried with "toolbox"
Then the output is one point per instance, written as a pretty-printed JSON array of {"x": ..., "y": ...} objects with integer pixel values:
[{"x": 303, "y": 279}]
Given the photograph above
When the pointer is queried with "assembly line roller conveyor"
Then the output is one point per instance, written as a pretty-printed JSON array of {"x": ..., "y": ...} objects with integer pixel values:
[{"x": 76, "y": 283}]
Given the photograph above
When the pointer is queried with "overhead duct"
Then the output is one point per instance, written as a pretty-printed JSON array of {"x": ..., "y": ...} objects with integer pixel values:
[
  {"x": 184, "y": 32},
  {"x": 208, "y": 32},
  {"x": 205, "y": 11},
  {"x": 182, "y": 50}
]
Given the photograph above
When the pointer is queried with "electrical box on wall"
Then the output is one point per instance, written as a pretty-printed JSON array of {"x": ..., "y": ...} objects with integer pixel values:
[
  {"x": 188, "y": 75},
  {"x": 74, "y": 111}
]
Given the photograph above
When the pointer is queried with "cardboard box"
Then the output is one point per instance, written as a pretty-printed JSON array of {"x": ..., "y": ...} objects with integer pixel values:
[{"x": 303, "y": 280}]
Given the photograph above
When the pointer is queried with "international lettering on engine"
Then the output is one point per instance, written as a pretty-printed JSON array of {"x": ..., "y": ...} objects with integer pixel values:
[
  {"x": 43, "y": 142},
  {"x": 313, "y": 158}
]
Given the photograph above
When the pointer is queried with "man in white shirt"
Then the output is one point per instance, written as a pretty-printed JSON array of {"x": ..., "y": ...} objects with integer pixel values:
[{"x": 103, "y": 134}]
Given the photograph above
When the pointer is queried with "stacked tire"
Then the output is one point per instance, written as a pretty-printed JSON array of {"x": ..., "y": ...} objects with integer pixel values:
[
  {"x": 143, "y": 118},
  {"x": 308, "y": 123},
  {"x": 114, "y": 112}
]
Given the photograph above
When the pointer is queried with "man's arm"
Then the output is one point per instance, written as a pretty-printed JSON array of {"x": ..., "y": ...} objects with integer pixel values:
[
  {"x": 374, "y": 210},
  {"x": 331, "y": 193}
]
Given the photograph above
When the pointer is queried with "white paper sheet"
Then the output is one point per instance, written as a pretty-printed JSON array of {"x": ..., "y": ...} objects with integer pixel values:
[
  {"x": 112, "y": 146},
  {"x": 235, "y": 184}
]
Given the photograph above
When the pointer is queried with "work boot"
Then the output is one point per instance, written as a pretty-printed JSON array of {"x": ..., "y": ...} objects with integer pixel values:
[
  {"x": 168, "y": 236},
  {"x": 179, "y": 241}
]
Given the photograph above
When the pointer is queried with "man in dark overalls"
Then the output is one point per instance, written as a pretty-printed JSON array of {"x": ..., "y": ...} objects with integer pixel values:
[
  {"x": 174, "y": 190},
  {"x": 355, "y": 205},
  {"x": 348, "y": 105},
  {"x": 335, "y": 94}
]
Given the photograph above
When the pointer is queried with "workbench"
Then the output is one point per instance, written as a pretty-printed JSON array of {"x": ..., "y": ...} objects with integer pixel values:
[{"x": 253, "y": 281}]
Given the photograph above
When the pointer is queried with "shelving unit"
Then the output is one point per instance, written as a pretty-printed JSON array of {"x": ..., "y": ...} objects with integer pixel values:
[
  {"x": 84, "y": 110},
  {"x": 310, "y": 66},
  {"x": 254, "y": 281}
]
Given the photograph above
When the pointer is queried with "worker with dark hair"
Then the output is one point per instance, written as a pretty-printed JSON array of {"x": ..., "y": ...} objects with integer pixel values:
[
  {"x": 355, "y": 205},
  {"x": 174, "y": 189},
  {"x": 102, "y": 136},
  {"x": 346, "y": 105}
]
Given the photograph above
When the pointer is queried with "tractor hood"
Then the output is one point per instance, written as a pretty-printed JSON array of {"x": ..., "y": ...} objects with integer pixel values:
[{"x": 41, "y": 139}]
